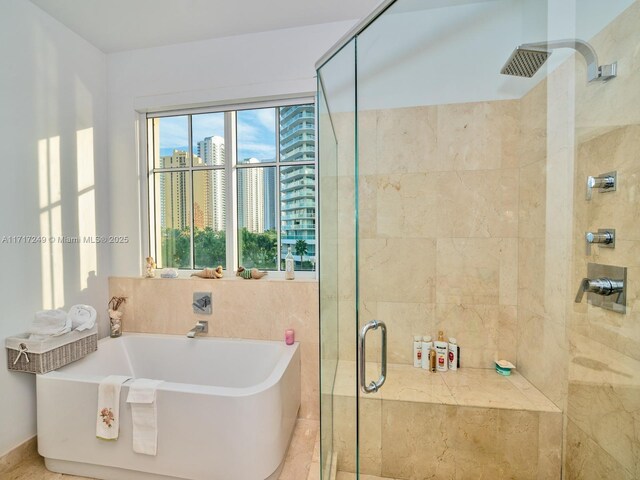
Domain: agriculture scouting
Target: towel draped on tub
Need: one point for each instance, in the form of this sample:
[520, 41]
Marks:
[108, 419]
[144, 415]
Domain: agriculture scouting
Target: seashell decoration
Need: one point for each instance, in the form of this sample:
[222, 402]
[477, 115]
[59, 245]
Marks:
[209, 273]
[248, 274]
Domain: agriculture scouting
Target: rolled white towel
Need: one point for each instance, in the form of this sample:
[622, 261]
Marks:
[83, 317]
[50, 323]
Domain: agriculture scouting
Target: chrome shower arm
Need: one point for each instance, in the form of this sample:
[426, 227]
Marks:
[584, 48]
[595, 71]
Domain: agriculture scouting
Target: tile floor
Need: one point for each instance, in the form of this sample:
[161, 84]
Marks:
[299, 458]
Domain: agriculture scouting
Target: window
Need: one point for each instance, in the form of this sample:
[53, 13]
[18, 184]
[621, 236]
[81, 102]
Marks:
[233, 187]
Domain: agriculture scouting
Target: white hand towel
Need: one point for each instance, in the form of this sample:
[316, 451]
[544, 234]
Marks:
[144, 415]
[108, 420]
[50, 322]
[83, 317]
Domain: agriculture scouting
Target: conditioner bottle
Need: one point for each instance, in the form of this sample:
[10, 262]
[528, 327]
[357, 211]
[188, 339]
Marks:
[453, 354]
[417, 351]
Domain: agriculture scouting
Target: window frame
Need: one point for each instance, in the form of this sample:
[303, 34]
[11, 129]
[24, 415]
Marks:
[230, 169]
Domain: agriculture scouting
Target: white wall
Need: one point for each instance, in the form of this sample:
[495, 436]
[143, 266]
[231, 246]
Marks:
[213, 71]
[53, 137]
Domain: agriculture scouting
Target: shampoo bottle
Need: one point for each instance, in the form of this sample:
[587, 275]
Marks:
[427, 345]
[453, 354]
[441, 352]
[417, 351]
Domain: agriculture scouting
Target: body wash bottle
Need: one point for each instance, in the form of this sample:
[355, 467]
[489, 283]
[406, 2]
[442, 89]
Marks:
[417, 351]
[441, 352]
[453, 354]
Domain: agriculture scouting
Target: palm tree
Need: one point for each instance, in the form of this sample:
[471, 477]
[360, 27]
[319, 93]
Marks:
[301, 249]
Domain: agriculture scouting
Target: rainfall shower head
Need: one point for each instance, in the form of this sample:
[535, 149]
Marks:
[527, 59]
[525, 62]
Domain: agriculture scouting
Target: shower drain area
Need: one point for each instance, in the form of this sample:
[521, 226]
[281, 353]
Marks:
[446, 425]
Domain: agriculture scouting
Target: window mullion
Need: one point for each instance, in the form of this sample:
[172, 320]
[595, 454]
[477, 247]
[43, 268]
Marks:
[277, 190]
[191, 194]
[230, 190]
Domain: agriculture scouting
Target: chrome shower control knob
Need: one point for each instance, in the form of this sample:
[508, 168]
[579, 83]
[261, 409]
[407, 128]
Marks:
[603, 237]
[605, 183]
[606, 237]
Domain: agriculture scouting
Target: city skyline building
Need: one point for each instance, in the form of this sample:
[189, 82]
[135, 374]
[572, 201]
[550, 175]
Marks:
[298, 182]
[212, 152]
[251, 198]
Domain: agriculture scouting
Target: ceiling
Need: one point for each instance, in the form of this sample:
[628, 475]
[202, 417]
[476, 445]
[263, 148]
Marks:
[118, 25]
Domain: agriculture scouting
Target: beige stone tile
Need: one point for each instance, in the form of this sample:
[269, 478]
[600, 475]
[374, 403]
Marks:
[480, 203]
[352, 476]
[604, 406]
[532, 275]
[300, 452]
[309, 371]
[368, 205]
[519, 430]
[346, 328]
[418, 440]
[316, 448]
[533, 121]
[478, 136]
[532, 200]
[314, 471]
[386, 276]
[408, 384]
[344, 434]
[405, 320]
[296, 306]
[550, 441]
[585, 460]
[543, 354]
[406, 141]
[485, 333]
[535, 396]
[476, 443]
[477, 271]
[406, 205]
[344, 431]
[34, 469]
[25, 452]
[486, 391]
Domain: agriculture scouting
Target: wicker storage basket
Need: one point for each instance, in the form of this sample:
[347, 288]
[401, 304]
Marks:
[42, 356]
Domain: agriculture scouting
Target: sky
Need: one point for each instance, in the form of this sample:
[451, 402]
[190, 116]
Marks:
[256, 132]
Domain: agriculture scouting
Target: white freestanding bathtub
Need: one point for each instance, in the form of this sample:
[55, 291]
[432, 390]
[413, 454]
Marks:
[226, 411]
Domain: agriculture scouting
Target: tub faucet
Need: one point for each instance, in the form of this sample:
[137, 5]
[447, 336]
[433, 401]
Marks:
[201, 327]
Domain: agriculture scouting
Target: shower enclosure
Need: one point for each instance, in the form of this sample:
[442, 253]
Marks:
[479, 175]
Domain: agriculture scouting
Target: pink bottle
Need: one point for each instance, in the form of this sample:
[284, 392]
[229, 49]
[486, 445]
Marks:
[289, 336]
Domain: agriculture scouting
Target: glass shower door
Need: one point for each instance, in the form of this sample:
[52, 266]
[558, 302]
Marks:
[338, 328]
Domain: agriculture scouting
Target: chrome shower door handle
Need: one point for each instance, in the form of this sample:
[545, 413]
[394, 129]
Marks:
[374, 386]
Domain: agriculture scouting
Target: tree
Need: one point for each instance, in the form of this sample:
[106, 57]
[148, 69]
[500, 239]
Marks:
[258, 249]
[301, 249]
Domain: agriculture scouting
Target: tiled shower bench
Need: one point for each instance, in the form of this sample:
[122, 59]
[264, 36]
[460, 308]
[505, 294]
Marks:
[464, 424]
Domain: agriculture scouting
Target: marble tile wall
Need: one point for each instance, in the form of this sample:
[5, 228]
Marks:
[416, 440]
[254, 309]
[438, 197]
[582, 357]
